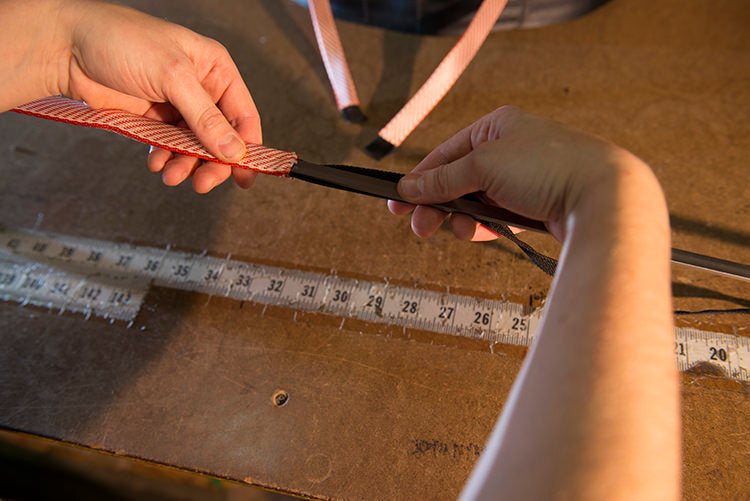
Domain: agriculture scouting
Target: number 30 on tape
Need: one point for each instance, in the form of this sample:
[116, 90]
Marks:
[110, 280]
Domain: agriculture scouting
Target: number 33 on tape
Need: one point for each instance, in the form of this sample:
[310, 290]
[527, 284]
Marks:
[110, 280]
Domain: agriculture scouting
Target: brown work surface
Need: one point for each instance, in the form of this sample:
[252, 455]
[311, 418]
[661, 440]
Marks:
[371, 413]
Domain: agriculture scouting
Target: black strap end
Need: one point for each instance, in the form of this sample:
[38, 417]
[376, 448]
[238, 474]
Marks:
[353, 114]
[379, 148]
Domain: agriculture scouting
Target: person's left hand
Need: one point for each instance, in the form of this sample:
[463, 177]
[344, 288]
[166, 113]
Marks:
[124, 59]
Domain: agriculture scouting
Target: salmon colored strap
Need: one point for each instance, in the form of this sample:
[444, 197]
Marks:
[441, 80]
[334, 60]
[427, 97]
[169, 137]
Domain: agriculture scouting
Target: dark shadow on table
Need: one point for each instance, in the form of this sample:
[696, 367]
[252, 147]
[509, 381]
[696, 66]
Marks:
[722, 233]
[693, 291]
[394, 87]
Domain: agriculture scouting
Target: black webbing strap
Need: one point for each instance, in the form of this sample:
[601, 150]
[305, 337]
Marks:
[545, 263]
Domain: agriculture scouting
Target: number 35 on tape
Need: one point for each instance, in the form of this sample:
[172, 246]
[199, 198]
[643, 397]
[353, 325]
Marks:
[110, 280]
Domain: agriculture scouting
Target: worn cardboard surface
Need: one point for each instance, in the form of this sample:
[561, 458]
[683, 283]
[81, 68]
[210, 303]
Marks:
[370, 414]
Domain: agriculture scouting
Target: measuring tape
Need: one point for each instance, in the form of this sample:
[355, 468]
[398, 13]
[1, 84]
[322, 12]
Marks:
[110, 280]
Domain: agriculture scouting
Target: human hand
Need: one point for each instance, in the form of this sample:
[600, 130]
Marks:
[121, 58]
[527, 164]
[595, 408]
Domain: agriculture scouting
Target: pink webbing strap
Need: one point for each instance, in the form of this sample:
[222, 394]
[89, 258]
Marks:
[444, 76]
[334, 60]
[427, 97]
[169, 137]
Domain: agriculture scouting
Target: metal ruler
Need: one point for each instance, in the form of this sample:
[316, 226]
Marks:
[110, 280]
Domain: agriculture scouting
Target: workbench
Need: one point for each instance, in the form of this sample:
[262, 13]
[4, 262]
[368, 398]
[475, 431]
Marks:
[373, 412]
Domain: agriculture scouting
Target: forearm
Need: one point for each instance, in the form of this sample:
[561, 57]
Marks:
[35, 43]
[594, 412]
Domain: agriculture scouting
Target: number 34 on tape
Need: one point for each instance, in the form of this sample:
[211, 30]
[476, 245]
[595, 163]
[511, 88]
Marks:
[110, 280]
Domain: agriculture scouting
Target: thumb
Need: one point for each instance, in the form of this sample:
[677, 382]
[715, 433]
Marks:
[442, 184]
[205, 119]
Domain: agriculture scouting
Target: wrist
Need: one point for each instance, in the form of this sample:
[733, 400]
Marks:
[35, 49]
[621, 189]
[66, 20]
[623, 213]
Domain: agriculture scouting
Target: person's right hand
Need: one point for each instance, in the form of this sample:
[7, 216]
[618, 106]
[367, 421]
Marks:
[527, 164]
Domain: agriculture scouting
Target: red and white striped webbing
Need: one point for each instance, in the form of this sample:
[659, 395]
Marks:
[432, 91]
[169, 137]
[332, 53]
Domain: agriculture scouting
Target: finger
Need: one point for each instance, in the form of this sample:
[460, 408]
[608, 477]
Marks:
[466, 228]
[239, 108]
[157, 158]
[209, 175]
[457, 146]
[249, 129]
[425, 221]
[243, 177]
[443, 183]
[160, 155]
[400, 208]
[227, 88]
[463, 227]
[204, 118]
[178, 169]
[463, 142]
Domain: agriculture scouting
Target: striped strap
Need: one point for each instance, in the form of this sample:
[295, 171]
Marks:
[183, 141]
[169, 137]
[334, 60]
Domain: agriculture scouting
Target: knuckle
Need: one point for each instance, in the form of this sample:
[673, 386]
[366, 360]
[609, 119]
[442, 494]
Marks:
[219, 56]
[177, 68]
[441, 181]
[480, 133]
[507, 110]
[211, 120]
[475, 168]
[218, 49]
[506, 116]
[443, 153]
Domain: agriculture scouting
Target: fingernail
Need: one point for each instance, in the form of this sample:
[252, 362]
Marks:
[411, 186]
[231, 147]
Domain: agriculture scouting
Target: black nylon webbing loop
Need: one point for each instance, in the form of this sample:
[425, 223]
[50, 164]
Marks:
[545, 263]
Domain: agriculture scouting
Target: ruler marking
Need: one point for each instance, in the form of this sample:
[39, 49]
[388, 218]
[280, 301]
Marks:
[111, 280]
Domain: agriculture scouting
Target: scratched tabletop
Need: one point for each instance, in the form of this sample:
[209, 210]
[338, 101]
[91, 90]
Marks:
[371, 411]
